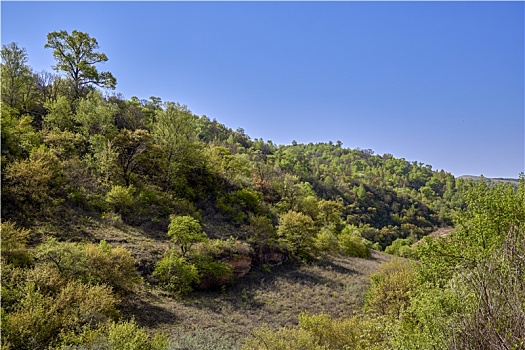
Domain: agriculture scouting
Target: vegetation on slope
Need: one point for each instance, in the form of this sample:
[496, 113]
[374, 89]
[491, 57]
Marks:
[105, 199]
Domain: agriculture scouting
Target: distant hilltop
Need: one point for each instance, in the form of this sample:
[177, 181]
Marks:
[511, 181]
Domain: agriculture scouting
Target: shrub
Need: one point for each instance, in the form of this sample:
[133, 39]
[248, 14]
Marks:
[32, 186]
[14, 245]
[352, 244]
[297, 233]
[125, 335]
[326, 242]
[121, 198]
[39, 318]
[321, 332]
[401, 247]
[391, 287]
[220, 249]
[92, 264]
[176, 274]
[112, 266]
[129, 336]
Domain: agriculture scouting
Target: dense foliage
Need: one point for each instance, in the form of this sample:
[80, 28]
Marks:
[72, 153]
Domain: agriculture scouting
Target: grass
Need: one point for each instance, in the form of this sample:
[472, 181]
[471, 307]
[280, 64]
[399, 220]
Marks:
[274, 297]
[267, 295]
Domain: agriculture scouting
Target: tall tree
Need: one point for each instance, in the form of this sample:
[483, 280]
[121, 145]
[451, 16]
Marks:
[18, 84]
[76, 55]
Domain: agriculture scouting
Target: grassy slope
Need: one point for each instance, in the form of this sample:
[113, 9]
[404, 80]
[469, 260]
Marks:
[275, 296]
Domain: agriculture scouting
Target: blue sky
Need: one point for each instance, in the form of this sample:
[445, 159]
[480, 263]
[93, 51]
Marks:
[436, 82]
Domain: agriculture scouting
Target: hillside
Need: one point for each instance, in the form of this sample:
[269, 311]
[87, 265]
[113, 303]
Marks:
[492, 180]
[122, 218]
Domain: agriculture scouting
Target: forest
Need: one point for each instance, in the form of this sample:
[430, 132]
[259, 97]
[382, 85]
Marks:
[106, 200]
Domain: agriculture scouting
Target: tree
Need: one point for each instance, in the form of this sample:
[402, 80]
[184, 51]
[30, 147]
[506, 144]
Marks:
[185, 230]
[18, 84]
[297, 233]
[76, 56]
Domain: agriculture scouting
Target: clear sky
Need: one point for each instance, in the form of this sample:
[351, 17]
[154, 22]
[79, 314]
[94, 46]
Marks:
[437, 82]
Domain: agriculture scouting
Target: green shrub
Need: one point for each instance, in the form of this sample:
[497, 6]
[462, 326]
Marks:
[125, 335]
[297, 234]
[220, 249]
[352, 244]
[14, 245]
[391, 288]
[321, 332]
[121, 198]
[176, 274]
[93, 264]
[326, 242]
[39, 317]
[401, 247]
[112, 266]
[129, 336]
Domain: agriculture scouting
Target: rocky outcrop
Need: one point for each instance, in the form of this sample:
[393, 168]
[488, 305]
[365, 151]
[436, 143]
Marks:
[272, 258]
[240, 265]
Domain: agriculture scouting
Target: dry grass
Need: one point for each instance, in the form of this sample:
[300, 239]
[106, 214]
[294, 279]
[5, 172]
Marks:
[274, 297]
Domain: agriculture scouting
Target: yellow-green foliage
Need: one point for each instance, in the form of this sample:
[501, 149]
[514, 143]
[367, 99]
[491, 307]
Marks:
[218, 248]
[185, 231]
[121, 197]
[321, 332]
[391, 287]
[129, 336]
[125, 335]
[326, 242]
[93, 264]
[112, 266]
[39, 316]
[176, 274]
[352, 244]
[29, 185]
[401, 247]
[14, 244]
[297, 234]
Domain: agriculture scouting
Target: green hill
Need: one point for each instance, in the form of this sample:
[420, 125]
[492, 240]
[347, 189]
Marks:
[126, 215]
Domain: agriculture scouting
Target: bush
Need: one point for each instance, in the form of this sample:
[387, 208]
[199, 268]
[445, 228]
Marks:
[32, 186]
[297, 234]
[176, 274]
[121, 198]
[326, 242]
[112, 266]
[14, 245]
[125, 335]
[39, 317]
[352, 244]
[321, 332]
[401, 247]
[92, 264]
[128, 336]
[391, 287]
[221, 249]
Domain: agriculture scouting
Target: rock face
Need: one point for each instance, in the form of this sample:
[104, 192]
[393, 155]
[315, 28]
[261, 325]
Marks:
[272, 258]
[240, 266]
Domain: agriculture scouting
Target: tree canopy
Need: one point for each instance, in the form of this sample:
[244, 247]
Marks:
[76, 56]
